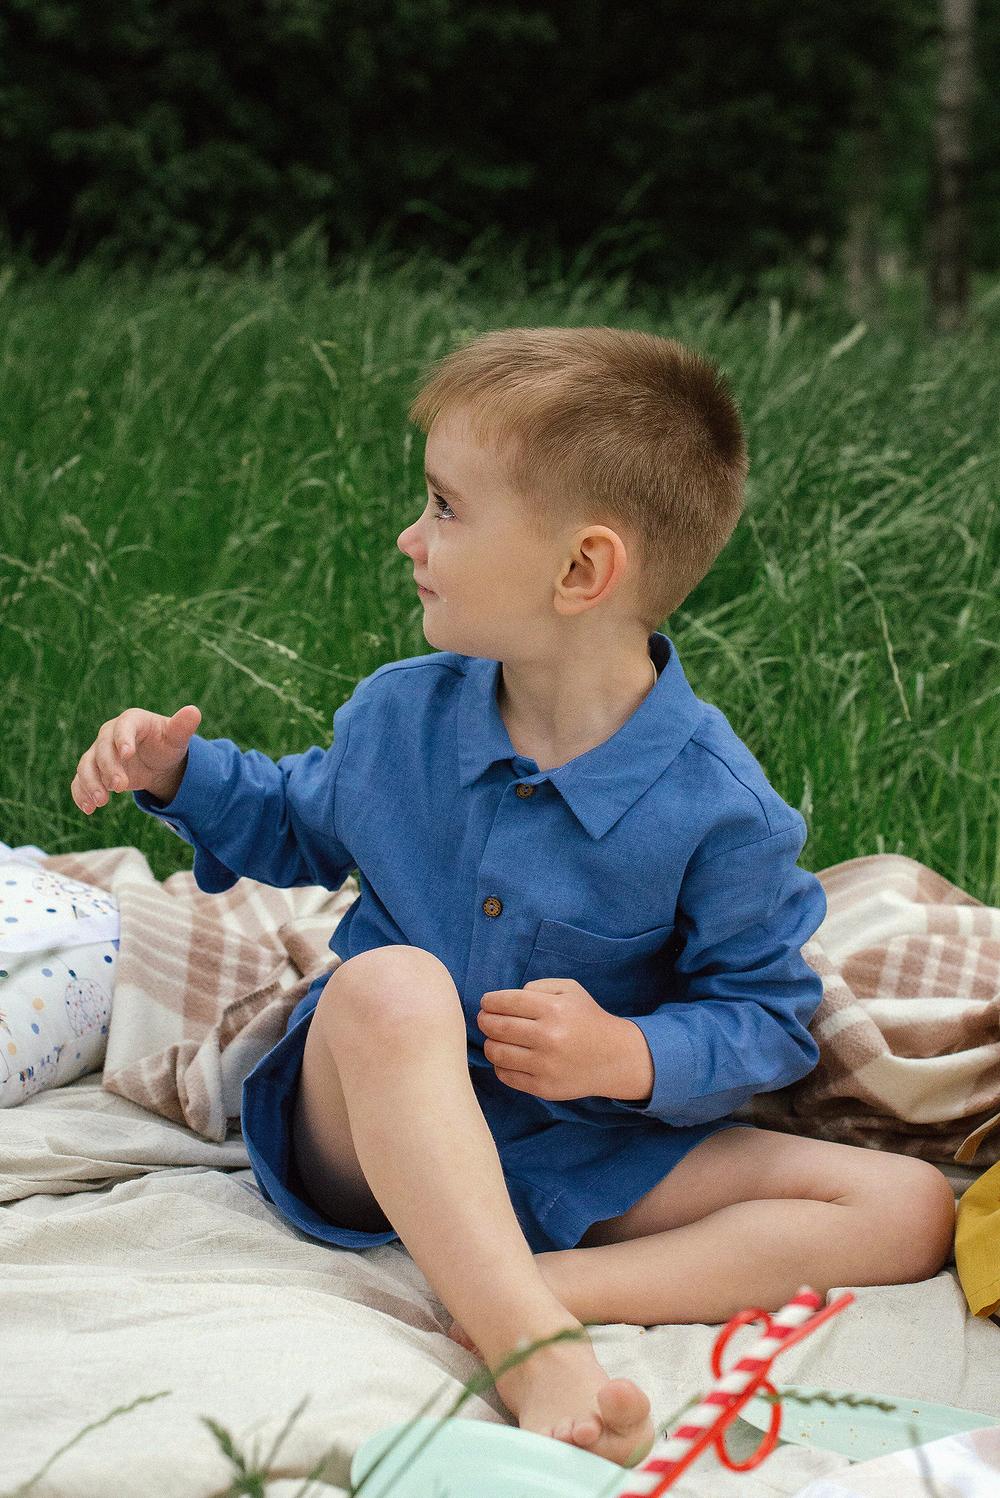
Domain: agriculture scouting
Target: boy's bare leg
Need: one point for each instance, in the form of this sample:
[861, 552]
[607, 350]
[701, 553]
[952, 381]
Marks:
[396, 1027]
[704, 1273]
[872, 1218]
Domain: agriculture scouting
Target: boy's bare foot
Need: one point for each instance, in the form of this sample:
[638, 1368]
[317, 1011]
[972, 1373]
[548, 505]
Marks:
[562, 1391]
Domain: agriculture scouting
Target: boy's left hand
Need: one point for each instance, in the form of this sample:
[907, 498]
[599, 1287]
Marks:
[550, 1038]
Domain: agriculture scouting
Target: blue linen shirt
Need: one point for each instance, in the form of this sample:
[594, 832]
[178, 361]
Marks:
[658, 869]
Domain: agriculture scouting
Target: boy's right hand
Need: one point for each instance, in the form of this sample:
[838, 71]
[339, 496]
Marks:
[137, 751]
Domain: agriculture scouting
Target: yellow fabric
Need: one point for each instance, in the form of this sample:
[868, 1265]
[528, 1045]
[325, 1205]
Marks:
[977, 1242]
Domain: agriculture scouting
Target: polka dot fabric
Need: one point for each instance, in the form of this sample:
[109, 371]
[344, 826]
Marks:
[59, 943]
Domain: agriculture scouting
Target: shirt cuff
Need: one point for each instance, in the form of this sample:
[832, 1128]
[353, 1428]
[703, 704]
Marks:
[195, 792]
[673, 1084]
[192, 808]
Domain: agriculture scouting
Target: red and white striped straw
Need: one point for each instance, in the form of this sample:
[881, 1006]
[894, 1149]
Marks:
[673, 1453]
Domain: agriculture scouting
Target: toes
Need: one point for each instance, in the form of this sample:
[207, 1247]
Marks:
[622, 1409]
[588, 1431]
[622, 1404]
[585, 1431]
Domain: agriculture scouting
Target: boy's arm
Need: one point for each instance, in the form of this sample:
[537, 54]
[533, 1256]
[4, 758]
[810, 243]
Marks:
[247, 815]
[744, 993]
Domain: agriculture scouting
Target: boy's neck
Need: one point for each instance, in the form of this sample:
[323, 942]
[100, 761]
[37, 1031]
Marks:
[552, 717]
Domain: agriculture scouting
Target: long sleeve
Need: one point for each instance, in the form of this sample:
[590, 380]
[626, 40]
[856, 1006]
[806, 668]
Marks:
[247, 815]
[745, 995]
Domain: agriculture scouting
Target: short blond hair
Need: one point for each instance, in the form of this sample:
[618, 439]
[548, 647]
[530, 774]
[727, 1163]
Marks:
[606, 426]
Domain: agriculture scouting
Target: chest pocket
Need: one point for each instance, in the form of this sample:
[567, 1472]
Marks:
[626, 974]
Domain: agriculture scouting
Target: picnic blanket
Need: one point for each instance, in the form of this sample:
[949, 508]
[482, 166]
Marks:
[147, 1287]
[908, 1027]
[143, 1273]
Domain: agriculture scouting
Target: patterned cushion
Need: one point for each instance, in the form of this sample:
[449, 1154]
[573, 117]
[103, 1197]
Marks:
[58, 952]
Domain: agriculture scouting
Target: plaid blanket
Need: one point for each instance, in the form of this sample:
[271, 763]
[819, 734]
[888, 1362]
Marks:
[908, 1028]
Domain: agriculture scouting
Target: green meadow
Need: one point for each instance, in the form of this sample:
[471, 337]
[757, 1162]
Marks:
[204, 473]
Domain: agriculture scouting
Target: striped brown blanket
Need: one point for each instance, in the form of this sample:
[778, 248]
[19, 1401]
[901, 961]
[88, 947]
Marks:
[908, 1028]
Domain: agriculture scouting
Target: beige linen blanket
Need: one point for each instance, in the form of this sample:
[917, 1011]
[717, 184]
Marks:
[140, 1266]
[138, 1261]
[908, 1028]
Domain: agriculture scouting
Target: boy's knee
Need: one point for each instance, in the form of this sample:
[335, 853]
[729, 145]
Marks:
[923, 1208]
[388, 983]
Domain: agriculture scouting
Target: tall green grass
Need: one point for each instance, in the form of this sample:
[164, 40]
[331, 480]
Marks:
[204, 474]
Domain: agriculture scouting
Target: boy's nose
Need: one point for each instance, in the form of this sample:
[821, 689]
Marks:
[406, 538]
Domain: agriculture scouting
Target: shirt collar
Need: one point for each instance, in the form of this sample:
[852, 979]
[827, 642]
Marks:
[602, 784]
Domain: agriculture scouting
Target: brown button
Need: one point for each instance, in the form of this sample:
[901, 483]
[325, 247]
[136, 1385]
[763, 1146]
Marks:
[525, 790]
[492, 906]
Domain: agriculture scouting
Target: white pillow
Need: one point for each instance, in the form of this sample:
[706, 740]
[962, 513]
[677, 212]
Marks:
[58, 953]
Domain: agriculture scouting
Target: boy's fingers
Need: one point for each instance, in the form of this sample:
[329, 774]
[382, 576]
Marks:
[88, 778]
[83, 796]
[119, 773]
[108, 766]
[181, 732]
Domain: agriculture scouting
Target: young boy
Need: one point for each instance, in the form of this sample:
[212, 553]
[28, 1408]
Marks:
[577, 947]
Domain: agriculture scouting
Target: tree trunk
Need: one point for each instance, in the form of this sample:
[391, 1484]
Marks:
[948, 229]
[861, 245]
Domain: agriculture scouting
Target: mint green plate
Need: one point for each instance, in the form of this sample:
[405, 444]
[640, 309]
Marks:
[477, 1459]
[865, 1432]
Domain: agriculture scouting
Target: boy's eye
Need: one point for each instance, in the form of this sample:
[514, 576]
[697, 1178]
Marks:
[439, 501]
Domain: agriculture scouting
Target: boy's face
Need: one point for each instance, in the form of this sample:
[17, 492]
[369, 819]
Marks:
[491, 581]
